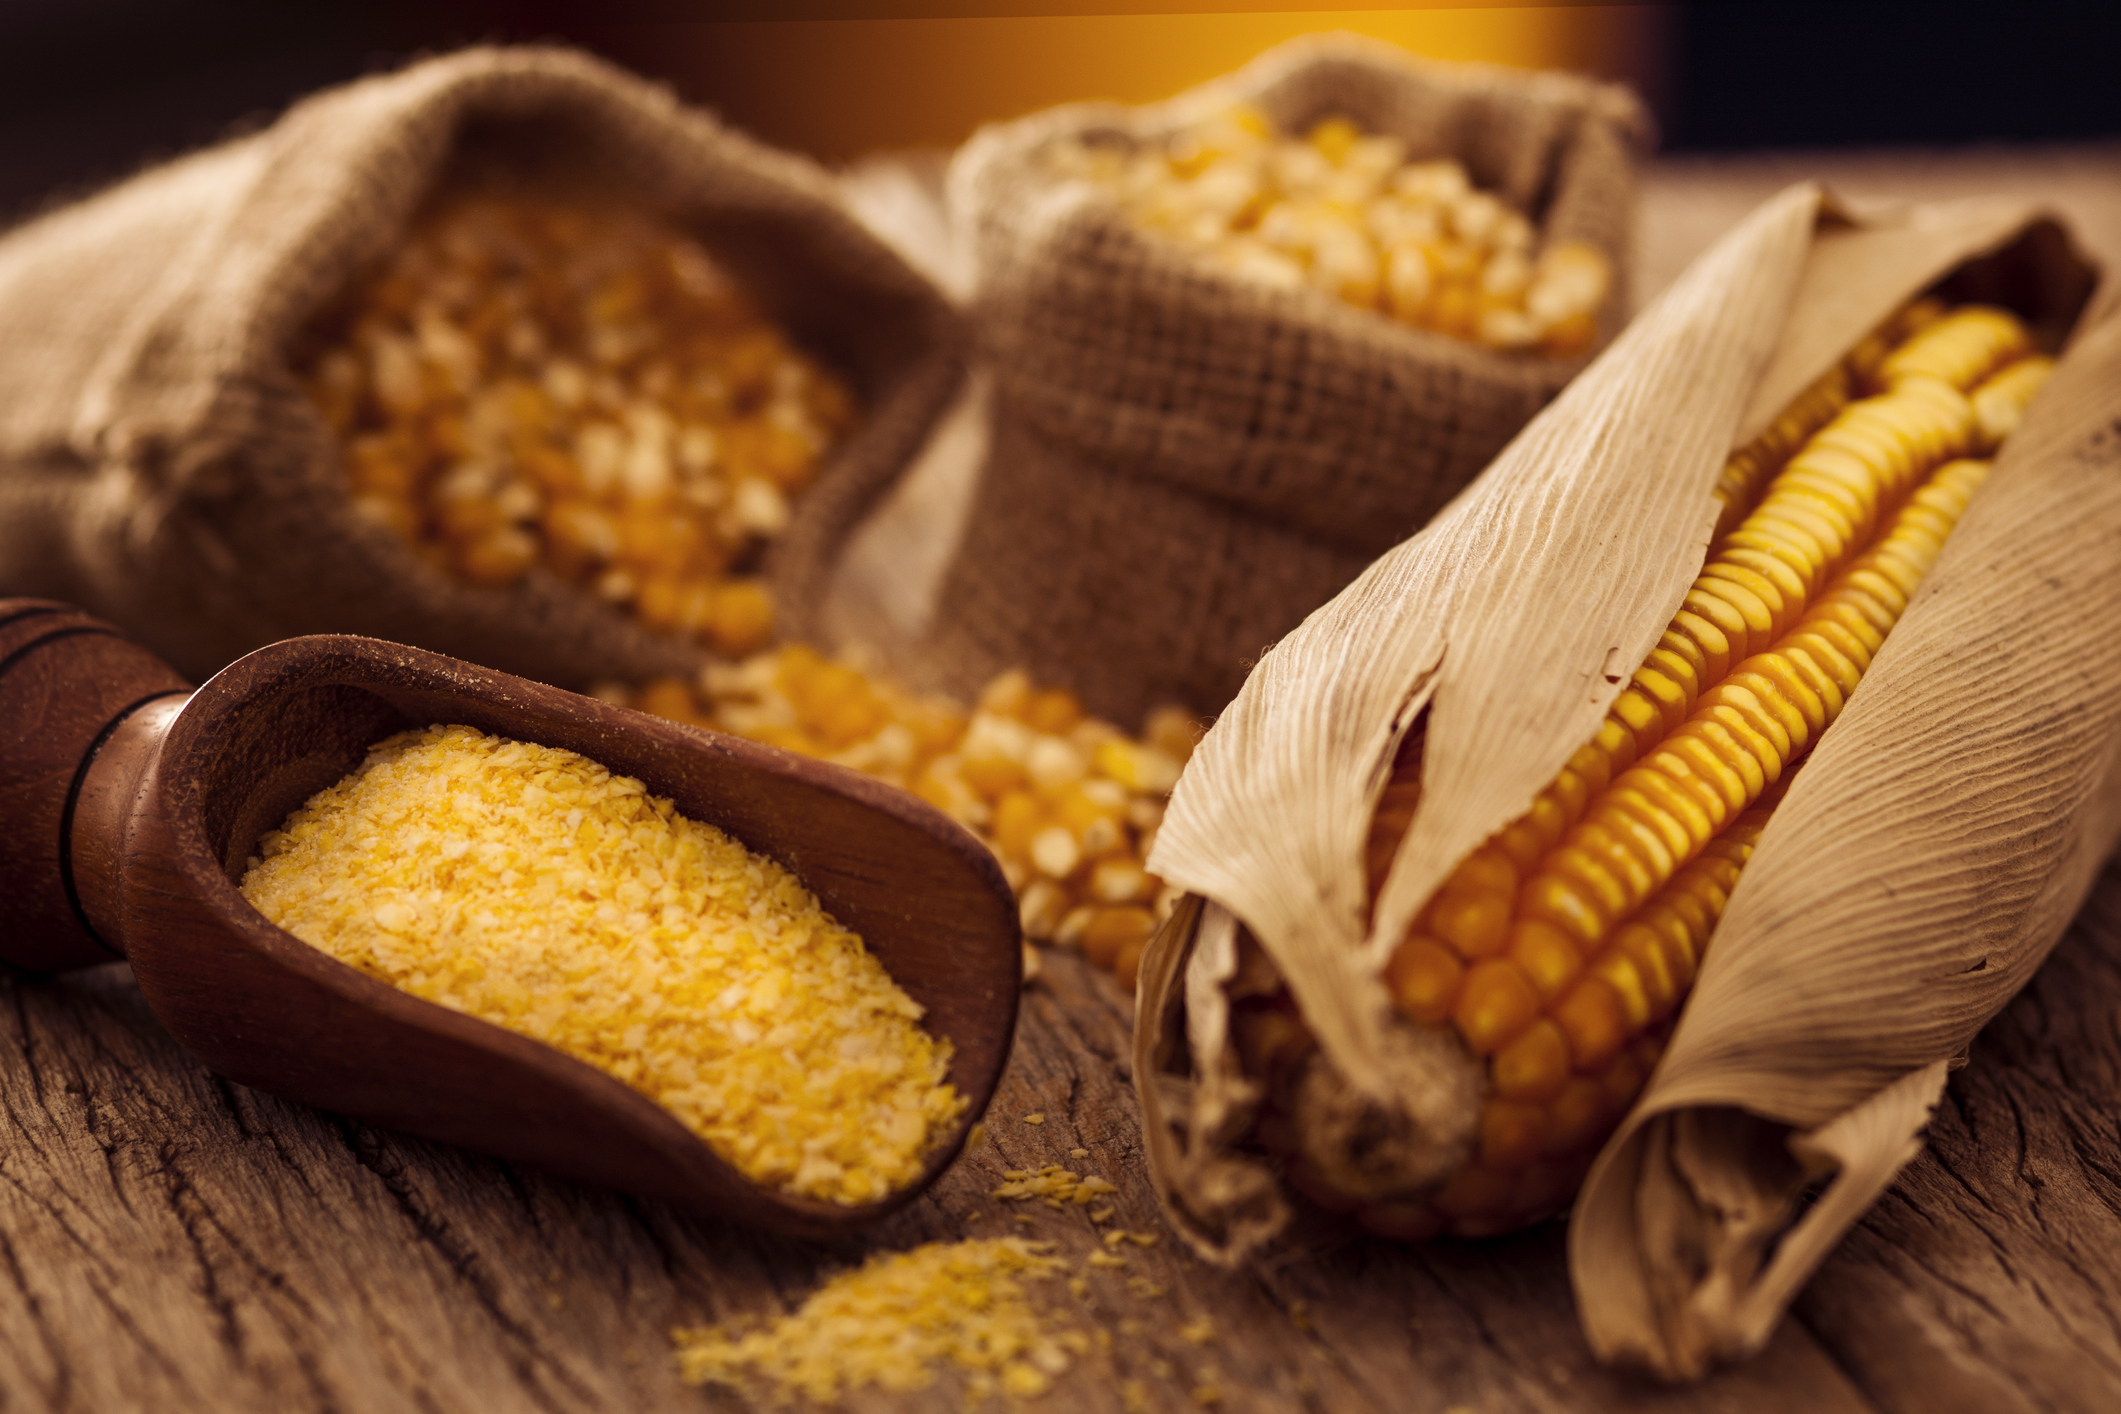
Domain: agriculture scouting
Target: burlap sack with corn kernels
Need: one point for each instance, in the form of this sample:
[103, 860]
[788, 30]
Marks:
[1185, 461]
[161, 465]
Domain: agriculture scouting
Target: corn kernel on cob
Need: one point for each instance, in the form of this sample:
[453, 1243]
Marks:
[1560, 950]
[1069, 804]
[528, 386]
[1345, 212]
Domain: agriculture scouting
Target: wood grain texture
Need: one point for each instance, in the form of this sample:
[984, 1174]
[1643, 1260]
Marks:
[171, 1240]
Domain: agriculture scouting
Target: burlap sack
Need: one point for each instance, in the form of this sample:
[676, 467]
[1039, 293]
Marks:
[160, 466]
[1182, 465]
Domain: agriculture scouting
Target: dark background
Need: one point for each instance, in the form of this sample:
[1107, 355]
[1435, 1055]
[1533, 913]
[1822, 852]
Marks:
[92, 89]
[1862, 74]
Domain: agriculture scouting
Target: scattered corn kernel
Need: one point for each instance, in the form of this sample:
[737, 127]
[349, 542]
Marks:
[530, 385]
[1054, 1182]
[530, 887]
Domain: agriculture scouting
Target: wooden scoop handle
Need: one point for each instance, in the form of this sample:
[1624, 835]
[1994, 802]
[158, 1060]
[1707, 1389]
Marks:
[82, 712]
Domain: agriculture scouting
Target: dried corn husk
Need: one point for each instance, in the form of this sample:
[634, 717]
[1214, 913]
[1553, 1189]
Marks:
[1513, 621]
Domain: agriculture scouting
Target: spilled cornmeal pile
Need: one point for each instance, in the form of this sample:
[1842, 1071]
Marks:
[532, 888]
[890, 1321]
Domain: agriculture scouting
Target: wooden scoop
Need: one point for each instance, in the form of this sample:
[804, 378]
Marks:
[129, 804]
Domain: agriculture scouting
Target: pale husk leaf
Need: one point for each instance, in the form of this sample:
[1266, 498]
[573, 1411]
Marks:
[1924, 862]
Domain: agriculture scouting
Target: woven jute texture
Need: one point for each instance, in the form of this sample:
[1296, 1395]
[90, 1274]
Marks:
[1184, 465]
[160, 466]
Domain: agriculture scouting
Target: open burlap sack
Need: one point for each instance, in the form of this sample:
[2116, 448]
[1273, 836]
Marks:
[1183, 465]
[160, 465]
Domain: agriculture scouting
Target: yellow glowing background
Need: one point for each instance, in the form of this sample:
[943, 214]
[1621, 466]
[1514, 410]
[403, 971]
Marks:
[840, 87]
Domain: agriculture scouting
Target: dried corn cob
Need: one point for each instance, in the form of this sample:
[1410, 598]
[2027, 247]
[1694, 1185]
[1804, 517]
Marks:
[1069, 804]
[528, 386]
[1345, 212]
[1558, 952]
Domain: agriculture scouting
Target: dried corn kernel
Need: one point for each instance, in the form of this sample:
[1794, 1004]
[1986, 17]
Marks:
[528, 386]
[530, 887]
[1343, 211]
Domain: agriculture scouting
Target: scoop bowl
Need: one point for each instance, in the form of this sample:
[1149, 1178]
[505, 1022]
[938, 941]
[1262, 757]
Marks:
[129, 805]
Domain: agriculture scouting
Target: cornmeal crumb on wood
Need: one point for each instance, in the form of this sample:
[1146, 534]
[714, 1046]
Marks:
[532, 888]
[893, 1320]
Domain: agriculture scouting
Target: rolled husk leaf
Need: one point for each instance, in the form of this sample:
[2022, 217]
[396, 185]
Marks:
[1507, 629]
[161, 466]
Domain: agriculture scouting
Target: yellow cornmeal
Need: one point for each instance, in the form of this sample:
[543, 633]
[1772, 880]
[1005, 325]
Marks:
[892, 1320]
[532, 888]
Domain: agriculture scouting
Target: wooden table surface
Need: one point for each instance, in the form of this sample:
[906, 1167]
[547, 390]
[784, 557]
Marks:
[171, 1241]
